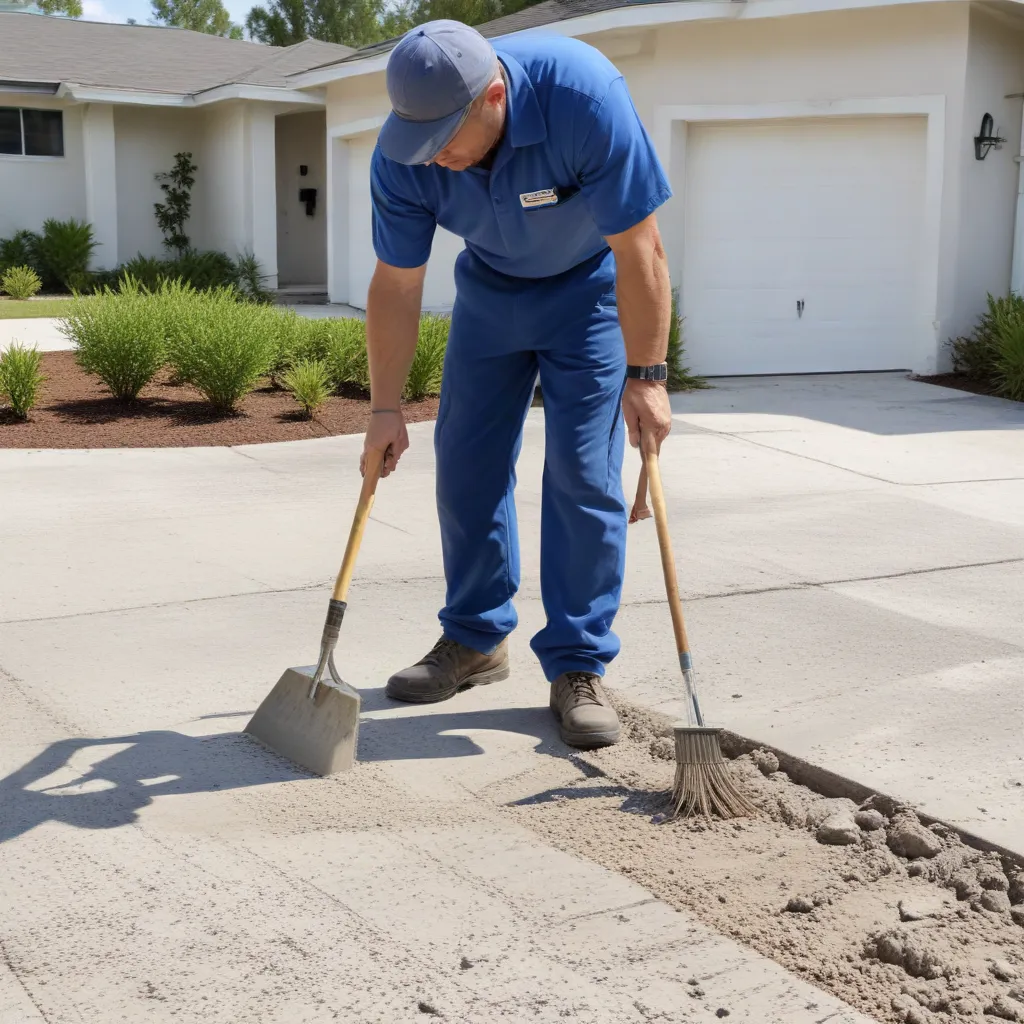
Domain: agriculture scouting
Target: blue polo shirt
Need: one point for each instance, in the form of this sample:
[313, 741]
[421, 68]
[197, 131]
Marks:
[571, 127]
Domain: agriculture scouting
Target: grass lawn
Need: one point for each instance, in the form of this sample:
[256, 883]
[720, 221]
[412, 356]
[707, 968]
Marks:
[14, 309]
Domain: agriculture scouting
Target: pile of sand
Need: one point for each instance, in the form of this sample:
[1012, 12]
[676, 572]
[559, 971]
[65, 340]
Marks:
[902, 921]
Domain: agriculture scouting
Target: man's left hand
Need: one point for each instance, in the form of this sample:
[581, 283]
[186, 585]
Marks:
[646, 408]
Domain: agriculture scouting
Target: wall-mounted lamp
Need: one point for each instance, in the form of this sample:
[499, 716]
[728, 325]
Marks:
[985, 140]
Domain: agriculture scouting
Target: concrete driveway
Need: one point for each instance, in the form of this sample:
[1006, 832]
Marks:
[851, 552]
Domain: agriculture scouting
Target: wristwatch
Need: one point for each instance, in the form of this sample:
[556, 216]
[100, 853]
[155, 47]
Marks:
[657, 372]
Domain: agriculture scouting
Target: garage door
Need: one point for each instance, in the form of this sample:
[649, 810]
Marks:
[439, 286]
[802, 244]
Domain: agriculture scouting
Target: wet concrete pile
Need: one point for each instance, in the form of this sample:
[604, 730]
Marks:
[903, 921]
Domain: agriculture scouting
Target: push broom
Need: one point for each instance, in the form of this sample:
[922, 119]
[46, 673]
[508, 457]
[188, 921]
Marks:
[703, 784]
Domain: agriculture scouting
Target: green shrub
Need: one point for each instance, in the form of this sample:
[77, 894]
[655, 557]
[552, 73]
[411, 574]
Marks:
[20, 378]
[227, 349]
[1007, 317]
[146, 271]
[20, 282]
[428, 362]
[249, 278]
[679, 376]
[292, 342]
[976, 356]
[20, 250]
[119, 338]
[309, 381]
[345, 339]
[65, 249]
[203, 270]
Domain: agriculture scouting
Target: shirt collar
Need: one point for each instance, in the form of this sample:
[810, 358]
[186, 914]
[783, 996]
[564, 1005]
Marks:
[526, 122]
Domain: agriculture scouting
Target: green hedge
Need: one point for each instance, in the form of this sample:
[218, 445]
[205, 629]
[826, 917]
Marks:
[993, 353]
[225, 348]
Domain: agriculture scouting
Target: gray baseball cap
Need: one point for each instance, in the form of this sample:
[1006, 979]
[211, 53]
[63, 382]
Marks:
[434, 74]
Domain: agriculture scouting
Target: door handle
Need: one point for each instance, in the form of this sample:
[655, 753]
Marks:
[799, 307]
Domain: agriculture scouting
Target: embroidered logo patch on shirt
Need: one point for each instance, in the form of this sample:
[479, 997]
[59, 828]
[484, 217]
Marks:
[542, 197]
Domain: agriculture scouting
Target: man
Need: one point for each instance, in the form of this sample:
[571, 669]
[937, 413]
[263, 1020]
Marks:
[533, 153]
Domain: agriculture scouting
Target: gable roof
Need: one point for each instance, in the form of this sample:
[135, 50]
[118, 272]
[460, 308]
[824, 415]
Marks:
[37, 48]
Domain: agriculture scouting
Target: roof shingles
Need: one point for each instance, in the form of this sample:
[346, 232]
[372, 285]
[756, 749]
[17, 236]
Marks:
[35, 48]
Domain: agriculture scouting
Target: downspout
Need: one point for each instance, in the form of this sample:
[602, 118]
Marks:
[1017, 265]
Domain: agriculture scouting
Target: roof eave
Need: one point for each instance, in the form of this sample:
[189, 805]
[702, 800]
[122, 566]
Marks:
[206, 97]
[30, 88]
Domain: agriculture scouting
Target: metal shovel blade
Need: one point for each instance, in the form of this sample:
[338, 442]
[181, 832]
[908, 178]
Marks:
[318, 733]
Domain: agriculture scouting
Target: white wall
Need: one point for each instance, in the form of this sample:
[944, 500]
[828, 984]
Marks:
[99, 146]
[301, 239]
[35, 188]
[147, 139]
[988, 188]
[238, 208]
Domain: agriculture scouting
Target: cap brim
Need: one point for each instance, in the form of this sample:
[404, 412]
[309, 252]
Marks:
[416, 142]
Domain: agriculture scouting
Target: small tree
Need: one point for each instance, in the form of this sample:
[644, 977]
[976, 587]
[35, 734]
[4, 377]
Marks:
[209, 16]
[172, 215]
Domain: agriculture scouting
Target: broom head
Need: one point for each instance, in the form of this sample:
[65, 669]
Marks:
[703, 784]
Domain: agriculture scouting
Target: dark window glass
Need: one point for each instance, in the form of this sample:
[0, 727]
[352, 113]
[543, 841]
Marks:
[44, 132]
[10, 130]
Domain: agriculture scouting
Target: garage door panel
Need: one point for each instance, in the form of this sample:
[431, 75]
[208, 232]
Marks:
[827, 211]
[741, 264]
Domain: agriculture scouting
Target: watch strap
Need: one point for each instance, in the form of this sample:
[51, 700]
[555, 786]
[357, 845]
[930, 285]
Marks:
[658, 372]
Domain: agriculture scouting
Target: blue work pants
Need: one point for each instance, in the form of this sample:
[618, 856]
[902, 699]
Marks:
[504, 331]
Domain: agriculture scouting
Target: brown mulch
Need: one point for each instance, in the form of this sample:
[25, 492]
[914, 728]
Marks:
[960, 382]
[75, 411]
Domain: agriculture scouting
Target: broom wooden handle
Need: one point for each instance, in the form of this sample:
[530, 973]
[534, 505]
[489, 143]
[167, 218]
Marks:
[374, 464]
[649, 453]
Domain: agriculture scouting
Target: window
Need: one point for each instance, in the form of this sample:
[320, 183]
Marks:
[31, 132]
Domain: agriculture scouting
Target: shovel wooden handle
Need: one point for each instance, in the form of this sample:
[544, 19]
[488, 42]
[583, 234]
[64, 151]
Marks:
[649, 454]
[374, 464]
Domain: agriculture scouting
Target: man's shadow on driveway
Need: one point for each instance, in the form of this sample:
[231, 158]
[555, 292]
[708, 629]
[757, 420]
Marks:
[111, 790]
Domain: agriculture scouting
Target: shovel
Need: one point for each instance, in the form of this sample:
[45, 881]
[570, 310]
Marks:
[305, 718]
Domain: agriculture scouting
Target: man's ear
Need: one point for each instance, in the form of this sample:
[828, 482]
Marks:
[495, 92]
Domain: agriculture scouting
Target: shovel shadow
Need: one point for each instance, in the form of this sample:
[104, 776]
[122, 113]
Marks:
[110, 791]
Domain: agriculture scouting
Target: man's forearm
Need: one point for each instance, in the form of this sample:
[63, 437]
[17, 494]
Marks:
[392, 329]
[644, 294]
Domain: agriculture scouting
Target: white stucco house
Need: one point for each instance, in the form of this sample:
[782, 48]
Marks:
[91, 112]
[830, 210]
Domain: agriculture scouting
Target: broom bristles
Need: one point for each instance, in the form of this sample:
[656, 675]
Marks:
[703, 784]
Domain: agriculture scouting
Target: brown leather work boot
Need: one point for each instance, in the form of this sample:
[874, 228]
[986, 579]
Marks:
[445, 670]
[584, 711]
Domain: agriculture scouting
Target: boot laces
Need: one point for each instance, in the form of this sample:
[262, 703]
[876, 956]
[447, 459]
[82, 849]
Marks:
[444, 648]
[584, 688]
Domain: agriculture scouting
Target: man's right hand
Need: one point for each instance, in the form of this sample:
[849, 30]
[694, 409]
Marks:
[386, 433]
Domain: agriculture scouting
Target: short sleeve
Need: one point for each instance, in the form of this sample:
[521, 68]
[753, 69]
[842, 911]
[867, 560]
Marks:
[620, 175]
[403, 228]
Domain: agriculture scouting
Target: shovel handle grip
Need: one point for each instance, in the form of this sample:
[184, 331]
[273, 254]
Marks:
[374, 465]
[649, 453]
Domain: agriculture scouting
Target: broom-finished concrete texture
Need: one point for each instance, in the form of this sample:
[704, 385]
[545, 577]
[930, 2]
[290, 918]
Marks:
[158, 866]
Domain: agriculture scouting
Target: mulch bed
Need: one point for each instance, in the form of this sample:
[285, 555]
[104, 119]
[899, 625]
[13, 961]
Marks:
[958, 381]
[75, 411]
